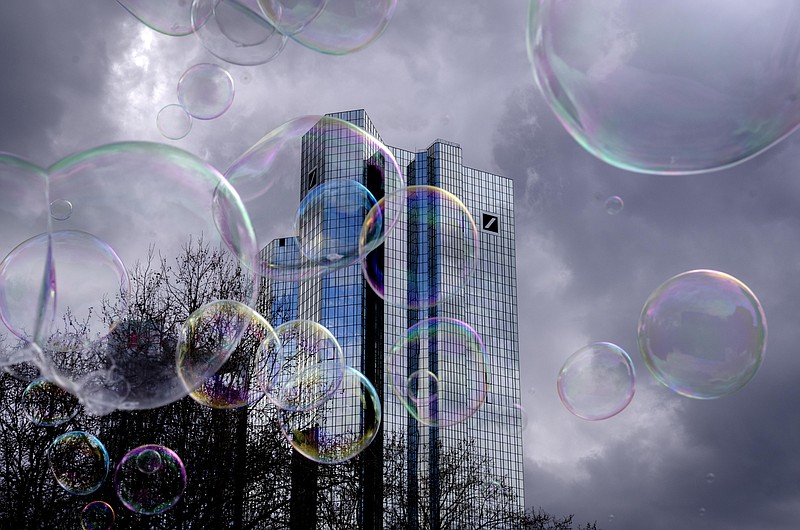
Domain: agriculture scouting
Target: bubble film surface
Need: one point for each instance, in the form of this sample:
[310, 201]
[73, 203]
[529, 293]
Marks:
[597, 381]
[703, 334]
[614, 205]
[636, 96]
[155, 490]
[435, 219]
[78, 461]
[272, 170]
[170, 17]
[453, 360]
[97, 515]
[335, 27]
[173, 122]
[223, 353]
[236, 31]
[48, 405]
[341, 427]
[206, 91]
[308, 366]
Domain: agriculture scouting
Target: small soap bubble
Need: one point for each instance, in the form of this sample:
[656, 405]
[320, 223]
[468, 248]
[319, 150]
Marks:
[97, 515]
[60, 209]
[701, 512]
[48, 405]
[78, 461]
[206, 91]
[710, 477]
[703, 334]
[614, 205]
[154, 489]
[149, 461]
[173, 122]
[597, 381]
[423, 387]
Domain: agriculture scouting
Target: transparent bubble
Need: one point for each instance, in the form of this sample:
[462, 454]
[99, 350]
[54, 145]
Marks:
[701, 512]
[334, 27]
[703, 334]
[237, 31]
[125, 358]
[47, 404]
[423, 388]
[206, 91]
[149, 461]
[611, 518]
[308, 365]
[597, 381]
[710, 477]
[97, 515]
[78, 461]
[170, 17]
[273, 170]
[173, 122]
[614, 205]
[221, 354]
[640, 99]
[434, 217]
[150, 492]
[455, 355]
[341, 427]
[60, 209]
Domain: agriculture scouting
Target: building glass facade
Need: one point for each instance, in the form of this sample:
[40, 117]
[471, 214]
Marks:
[367, 327]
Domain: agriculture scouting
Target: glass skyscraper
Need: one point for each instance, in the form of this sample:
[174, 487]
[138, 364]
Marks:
[367, 326]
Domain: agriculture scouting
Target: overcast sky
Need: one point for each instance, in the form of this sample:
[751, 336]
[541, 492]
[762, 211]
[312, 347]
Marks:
[77, 74]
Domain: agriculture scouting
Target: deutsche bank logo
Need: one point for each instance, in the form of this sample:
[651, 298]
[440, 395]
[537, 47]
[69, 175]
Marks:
[490, 223]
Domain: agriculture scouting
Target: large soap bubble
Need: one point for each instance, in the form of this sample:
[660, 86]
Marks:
[150, 479]
[669, 87]
[703, 334]
[206, 91]
[334, 27]
[175, 225]
[323, 234]
[97, 515]
[341, 427]
[597, 381]
[439, 371]
[48, 405]
[78, 461]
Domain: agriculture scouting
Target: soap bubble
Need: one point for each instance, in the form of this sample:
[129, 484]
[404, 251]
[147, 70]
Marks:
[308, 365]
[78, 461]
[432, 217]
[150, 491]
[60, 210]
[597, 381]
[237, 31]
[614, 205]
[173, 122]
[703, 334]
[97, 515]
[274, 169]
[334, 27]
[126, 358]
[639, 98]
[341, 427]
[149, 461]
[451, 352]
[47, 404]
[170, 17]
[222, 354]
[206, 91]
[710, 477]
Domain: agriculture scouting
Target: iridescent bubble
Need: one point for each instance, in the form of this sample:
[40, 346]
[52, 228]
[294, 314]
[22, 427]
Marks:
[703, 334]
[343, 204]
[78, 461]
[614, 205]
[423, 388]
[334, 27]
[597, 381]
[151, 491]
[47, 404]
[60, 209]
[173, 122]
[341, 427]
[149, 461]
[222, 354]
[237, 31]
[206, 91]
[170, 17]
[308, 365]
[640, 99]
[453, 353]
[437, 219]
[126, 358]
[97, 515]
[273, 169]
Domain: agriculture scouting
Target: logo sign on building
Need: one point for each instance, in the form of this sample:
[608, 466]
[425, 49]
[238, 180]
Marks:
[490, 223]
